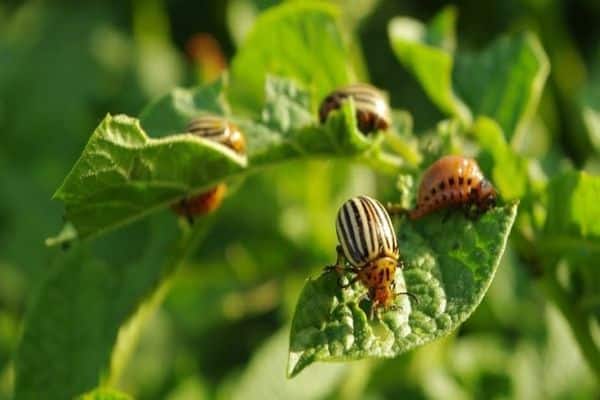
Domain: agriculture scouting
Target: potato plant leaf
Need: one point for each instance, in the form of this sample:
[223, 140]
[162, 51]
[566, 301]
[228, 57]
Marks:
[589, 103]
[76, 316]
[426, 51]
[449, 266]
[572, 228]
[105, 394]
[572, 205]
[123, 174]
[299, 40]
[504, 81]
[171, 113]
[507, 169]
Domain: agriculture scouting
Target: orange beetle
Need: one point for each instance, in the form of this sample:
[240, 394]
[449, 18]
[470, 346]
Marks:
[221, 131]
[200, 204]
[453, 181]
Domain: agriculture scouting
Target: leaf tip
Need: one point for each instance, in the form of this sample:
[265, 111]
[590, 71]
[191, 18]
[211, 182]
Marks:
[296, 363]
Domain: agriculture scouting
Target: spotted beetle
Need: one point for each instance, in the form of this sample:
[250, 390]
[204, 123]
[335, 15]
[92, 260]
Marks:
[453, 181]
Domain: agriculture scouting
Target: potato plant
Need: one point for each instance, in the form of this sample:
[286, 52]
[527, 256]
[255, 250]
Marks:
[122, 260]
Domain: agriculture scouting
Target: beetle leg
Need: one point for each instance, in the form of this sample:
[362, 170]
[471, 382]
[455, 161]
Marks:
[190, 219]
[340, 262]
[347, 285]
[183, 203]
[401, 263]
[410, 295]
[472, 213]
[372, 311]
[447, 215]
[395, 209]
[468, 212]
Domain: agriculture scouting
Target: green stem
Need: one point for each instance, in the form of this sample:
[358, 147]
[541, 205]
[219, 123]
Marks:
[407, 152]
[576, 319]
[385, 163]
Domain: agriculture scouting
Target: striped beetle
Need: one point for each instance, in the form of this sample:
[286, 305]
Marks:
[220, 130]
[453, 181]
[372, 109]
[367, 241]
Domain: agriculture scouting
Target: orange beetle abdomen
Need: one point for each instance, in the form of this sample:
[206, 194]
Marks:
[450, 181]
[202, 203]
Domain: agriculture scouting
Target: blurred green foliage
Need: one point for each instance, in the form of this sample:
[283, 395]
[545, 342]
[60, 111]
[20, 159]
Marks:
[221, 331]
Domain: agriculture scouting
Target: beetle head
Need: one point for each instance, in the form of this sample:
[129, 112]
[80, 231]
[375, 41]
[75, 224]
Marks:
[382, 296]
[487, 196]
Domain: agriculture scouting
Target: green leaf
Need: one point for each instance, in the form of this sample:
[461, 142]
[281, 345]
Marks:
[294, 40]
[589, 104]
[572, 227]
[508, 170]
[123, 174]
[104, 394]
[426, 51]
[573, 205]
[170, 114]
[505, 80]
[77, 313]
[449, 266]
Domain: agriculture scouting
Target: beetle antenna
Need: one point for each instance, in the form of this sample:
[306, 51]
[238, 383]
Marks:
[395, 209]
[411, 295]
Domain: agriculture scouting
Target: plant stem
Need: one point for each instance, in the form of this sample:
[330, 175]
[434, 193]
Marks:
[577, 321]
[401, 147]
[386, 163]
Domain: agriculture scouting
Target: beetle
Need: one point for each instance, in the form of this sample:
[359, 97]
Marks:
[453, 181]
[220, 130]
[200, 204]
[367, 241]
[372, 109]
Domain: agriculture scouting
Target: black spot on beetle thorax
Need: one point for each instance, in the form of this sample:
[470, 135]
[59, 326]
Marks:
[372, 275]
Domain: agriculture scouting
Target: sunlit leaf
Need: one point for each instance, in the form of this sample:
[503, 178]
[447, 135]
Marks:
[589, 104]
[573, 205]
[509, 172]
[295, 40]
[572, 228]
[449, 266]
[124, 175]
[104, 394]
[426, 51]
[504, 81]
[170, 114]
